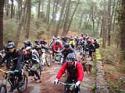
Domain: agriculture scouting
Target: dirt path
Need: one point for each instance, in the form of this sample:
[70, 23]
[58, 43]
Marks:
[49, 75]
[47, 85]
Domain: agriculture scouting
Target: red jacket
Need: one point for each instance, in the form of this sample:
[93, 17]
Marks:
[79, 67]
[56, 47]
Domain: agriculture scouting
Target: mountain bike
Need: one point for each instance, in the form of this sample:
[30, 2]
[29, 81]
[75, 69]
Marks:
[70, 87]
[46, 58]
[20, 86]
[28, 65]
[58, 58]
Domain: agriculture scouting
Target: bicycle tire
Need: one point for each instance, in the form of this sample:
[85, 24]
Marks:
[67, 90]
[3, 88]
[48, 60]
[39, 70]
[23, 87]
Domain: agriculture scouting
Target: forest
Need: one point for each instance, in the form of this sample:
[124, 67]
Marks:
[104, 20]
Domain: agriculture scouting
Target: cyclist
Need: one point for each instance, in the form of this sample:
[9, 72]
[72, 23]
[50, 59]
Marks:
[27, 43]
[64, 40]
[66, 50]
[33, 55]
[96, 44]
[56, 47]
[91, 48]
[74, 69]
[72, 42]
[14, 58]
[52, 41]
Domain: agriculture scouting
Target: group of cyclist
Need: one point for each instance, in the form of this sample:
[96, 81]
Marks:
[15, 59]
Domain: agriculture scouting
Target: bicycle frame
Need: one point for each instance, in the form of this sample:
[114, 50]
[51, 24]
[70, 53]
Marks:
[7, 78]
[69, 87]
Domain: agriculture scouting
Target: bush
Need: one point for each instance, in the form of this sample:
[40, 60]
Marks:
[10, 28]
[110, 55]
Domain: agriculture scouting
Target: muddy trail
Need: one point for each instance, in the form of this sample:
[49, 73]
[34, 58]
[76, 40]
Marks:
[47, 82]
[48, 77]
[32, 87]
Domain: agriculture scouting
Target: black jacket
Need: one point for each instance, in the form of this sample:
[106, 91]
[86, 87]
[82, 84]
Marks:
[15, 58]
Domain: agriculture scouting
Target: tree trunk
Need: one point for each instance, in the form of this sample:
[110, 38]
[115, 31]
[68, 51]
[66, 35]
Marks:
[39, 4]
[42, 5]
[104, 32]
[80, 21]
[48, 11]
[70, 21]
[12, 8]
[28, 19]
[66, 20]
[122, 25]
[6, 5]
[61, 15]
[93, 20]
[72, 16]
[55, 9]
[1, 23]
[19, 9]
[20, 25]
[109, 22]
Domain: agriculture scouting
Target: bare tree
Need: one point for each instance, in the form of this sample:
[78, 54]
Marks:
[42, 5]
[67, 26]
[109, 22]
[19, 9]
[80, 21]
[39, 6]
[122, 25]
[66, 16]
[12, 8]
[28, 17]
[61, 15]
[48, 11]
[103, 32]
[54, 11]
[6, 5]
[20, 24]
[1, 23]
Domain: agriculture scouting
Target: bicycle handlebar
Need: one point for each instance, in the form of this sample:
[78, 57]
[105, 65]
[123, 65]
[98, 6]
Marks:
[7, 72]
[66, 84]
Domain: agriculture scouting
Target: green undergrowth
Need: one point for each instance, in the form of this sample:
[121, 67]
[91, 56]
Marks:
[114, 69]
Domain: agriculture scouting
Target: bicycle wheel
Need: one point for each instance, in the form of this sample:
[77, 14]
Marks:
[3, 88]
[48, 59]
[23, 84]
[39, 70]
[67, 89]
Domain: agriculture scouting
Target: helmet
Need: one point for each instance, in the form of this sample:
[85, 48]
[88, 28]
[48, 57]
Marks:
[71, 57]
[66, 46]
[28, 48]
[37, 46]
[9, 41]
[11, 45]
[36, 42]
[57, 42]
[27, 43]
